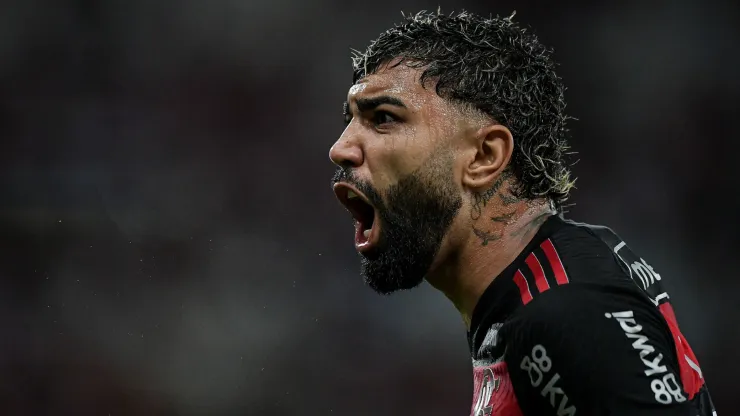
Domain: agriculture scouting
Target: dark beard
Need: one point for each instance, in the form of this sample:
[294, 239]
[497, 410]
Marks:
[419, 211]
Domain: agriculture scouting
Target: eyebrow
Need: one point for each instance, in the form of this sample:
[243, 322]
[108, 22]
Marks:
[369, 104]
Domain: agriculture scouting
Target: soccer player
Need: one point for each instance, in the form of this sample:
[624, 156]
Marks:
[452, 165]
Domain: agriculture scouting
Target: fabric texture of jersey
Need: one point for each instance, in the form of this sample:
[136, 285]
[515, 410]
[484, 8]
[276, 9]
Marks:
[580, 325]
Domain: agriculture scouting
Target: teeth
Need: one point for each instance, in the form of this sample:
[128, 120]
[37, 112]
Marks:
[351, 195]
[366, 233]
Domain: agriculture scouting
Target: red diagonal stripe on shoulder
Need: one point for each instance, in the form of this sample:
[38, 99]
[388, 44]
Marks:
[521, 282]
[554, 260]
[539, 273]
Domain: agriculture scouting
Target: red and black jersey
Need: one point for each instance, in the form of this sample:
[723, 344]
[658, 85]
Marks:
[579, 325]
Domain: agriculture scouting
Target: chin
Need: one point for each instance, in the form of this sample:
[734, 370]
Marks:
[383, 287]
[386, 273]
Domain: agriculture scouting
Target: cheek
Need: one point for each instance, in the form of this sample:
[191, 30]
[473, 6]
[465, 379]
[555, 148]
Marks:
[402, 153]
[383, 162]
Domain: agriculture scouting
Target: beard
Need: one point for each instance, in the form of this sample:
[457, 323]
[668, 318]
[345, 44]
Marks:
[414, 218]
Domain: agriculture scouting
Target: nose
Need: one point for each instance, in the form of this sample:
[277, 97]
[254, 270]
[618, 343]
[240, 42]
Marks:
[346, 152]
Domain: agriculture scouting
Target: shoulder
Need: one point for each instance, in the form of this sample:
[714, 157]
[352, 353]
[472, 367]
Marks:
[596, 255]
[579, 273]
[575, 255]
[588, 251]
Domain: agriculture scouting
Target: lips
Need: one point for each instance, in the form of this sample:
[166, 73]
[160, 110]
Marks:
[364, 214]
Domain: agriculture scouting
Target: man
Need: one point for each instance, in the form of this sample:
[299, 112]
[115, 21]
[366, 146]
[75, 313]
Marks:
[452, 165]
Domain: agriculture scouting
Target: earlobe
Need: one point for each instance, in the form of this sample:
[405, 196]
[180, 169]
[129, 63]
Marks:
[495, 145]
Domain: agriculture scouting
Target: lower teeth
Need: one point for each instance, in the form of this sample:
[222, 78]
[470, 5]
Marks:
[366, 233]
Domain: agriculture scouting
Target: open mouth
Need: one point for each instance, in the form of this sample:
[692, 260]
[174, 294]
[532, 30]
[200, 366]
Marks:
[363, 212]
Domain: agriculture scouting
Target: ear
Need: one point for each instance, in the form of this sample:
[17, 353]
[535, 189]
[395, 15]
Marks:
[495, 145]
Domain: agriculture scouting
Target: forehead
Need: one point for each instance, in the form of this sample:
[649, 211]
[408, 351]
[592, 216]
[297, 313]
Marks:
[402, 82]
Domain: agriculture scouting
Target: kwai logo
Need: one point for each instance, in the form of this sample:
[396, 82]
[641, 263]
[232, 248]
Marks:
[664, 384]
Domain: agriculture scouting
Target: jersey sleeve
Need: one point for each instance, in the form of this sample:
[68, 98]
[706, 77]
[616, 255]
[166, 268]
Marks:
[576, 351]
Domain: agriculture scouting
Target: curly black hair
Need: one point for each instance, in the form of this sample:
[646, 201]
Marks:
[498, 67]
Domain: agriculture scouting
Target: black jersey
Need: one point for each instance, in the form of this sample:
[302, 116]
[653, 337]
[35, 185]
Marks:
[579, 325]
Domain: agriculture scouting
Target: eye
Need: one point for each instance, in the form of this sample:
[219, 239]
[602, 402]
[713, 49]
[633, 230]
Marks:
[346, 113]
[383, 117]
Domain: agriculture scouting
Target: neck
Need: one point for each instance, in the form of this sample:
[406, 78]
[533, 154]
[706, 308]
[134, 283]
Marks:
[486, 251]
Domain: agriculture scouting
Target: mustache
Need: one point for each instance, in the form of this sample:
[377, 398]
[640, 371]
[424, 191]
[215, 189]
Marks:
[347, 175]
[343, 175]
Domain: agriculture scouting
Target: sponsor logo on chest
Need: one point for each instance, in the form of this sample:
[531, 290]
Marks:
[663, 382]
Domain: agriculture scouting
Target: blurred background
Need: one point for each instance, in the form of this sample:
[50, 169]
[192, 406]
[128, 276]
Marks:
[169, 244]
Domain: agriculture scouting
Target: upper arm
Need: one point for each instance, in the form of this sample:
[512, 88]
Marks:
[577, 351]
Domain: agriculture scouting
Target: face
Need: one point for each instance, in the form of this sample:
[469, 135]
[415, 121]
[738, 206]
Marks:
[396, 176]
